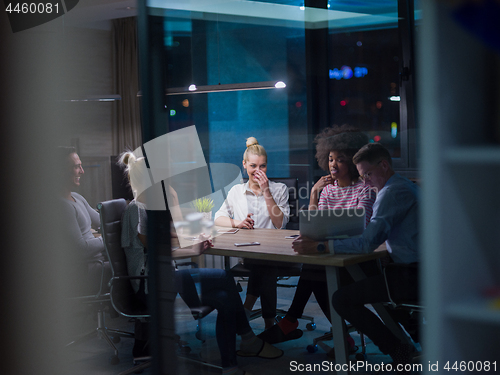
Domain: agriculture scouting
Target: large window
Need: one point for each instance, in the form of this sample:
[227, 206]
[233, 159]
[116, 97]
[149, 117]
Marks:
[349, 62]
[361, 77]
[364, 83]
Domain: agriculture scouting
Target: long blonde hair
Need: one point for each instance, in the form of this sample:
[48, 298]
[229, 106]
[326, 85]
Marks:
[254, 148]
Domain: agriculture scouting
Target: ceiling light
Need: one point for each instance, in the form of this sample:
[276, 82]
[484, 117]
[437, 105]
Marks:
[193, 89]
[94, 98]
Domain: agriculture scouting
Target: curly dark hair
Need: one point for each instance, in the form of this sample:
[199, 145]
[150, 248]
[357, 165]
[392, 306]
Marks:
[345, 139]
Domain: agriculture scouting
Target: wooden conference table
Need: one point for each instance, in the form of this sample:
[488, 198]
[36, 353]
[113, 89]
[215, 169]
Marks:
[274, 246]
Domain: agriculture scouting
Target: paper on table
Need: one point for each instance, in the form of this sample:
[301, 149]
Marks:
[229, 230]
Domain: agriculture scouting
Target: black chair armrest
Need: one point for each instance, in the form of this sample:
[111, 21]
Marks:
[121, 278]
[401, 280]
[185, 264]
[101, 283]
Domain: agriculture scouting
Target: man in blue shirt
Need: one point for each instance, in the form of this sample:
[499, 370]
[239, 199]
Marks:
[395, 221]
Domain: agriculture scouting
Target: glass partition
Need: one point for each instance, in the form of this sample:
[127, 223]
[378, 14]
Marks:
[345, 63]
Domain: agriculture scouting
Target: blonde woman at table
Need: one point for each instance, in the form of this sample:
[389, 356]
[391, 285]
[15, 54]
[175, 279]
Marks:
[340, 189]
[258, 203]
[218, 289]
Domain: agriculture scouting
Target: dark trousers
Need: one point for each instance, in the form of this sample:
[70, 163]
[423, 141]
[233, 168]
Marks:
[313, 280]
[349, 302]
[262, 283]
[218, 290]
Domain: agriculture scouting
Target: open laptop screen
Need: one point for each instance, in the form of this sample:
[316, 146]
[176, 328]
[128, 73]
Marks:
[323, 225]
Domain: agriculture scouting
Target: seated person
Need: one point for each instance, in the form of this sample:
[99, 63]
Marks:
[78, 218]
[395, 221]
[218, 289]
[341, 188]
[259, 203]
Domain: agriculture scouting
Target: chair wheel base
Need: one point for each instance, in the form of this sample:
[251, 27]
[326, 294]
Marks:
[312, 348]
[185, 350]
[311, 326]
[361, 357]
[200, 336]
[114, 360]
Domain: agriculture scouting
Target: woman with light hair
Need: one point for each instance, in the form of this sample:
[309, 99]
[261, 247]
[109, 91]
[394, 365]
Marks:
[258, 203]
[218, 289]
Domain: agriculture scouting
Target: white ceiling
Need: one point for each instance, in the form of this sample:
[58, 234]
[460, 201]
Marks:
[98, 13]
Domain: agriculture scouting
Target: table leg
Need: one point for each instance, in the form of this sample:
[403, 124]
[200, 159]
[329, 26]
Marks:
[338, 328]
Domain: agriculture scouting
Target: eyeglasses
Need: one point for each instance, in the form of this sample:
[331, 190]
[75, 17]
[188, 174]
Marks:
[367, 175]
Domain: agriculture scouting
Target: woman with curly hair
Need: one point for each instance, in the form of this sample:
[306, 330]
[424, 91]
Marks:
[340, 189]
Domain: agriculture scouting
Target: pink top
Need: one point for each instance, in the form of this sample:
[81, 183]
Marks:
[353, 196]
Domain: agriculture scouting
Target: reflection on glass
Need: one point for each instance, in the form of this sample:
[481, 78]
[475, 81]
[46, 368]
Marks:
[364, 75]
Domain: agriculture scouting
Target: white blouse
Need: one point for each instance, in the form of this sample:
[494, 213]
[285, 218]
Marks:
[241, 201]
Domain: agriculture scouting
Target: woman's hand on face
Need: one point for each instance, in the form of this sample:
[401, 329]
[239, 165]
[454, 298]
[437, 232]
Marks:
[261, 179]
[322, 182]
[247, 223]
[304, 245]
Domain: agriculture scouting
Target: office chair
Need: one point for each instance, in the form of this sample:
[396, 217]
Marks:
[402, 283]
[330, 352]
[123, 298]
[100, 301]
[286, 270]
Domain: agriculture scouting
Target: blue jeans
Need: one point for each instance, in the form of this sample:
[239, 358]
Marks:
[218, 290]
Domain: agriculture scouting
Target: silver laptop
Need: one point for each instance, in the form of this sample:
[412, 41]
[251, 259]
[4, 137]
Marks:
[321, 225]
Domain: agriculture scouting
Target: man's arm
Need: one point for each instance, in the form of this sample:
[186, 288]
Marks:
[389, 209]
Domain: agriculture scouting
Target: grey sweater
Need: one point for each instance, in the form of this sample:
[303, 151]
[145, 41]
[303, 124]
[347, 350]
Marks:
[79, 218]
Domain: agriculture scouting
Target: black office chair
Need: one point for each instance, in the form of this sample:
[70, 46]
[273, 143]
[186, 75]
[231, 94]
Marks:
[402, 283]
[123, 298]
[405, 277]
[286, 270]
[100, 303]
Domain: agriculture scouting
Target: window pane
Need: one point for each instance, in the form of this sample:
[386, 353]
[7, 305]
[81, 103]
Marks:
[364, 83]
[228, 46]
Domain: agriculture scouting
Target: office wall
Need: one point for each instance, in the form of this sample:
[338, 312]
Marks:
[34, 74]
[87, 124]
